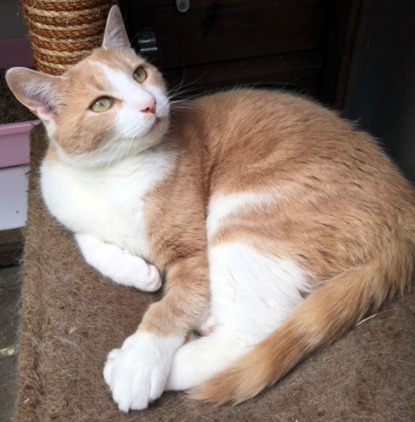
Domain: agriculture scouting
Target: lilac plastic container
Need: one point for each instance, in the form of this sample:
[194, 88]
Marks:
[14, 143]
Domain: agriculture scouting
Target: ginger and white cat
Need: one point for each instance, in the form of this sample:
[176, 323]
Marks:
[282, 223]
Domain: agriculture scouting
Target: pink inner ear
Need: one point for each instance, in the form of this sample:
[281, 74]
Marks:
[45, 113]
[40, 99]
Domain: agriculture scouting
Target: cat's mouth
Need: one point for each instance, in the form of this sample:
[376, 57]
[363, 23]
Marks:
[156, 122]
[154, 127]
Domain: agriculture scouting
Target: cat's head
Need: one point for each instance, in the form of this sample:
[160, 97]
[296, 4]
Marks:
[109, 105]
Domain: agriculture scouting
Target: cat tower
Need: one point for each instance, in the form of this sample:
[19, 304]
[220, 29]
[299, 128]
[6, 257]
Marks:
[62, 32]
[71, 317]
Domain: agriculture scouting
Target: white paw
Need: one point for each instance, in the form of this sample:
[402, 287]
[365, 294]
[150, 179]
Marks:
[149, 282]
[136, 272]
[119, 265]
[136, 374]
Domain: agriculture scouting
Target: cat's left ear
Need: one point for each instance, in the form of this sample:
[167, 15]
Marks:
[115, 35]
[38, 91]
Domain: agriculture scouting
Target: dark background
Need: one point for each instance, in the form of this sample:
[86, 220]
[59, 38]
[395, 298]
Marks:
[354, 55]
[381, 88]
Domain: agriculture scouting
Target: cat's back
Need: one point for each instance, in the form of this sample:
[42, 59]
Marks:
[282, 134]
[260, 120]
[256, 140]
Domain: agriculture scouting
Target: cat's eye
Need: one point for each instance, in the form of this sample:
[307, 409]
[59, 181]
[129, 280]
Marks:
[140, 75]
[102, 104]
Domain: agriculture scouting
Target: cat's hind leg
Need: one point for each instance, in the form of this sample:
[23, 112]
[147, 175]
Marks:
[251, 295]
[198, 360]
[117, 264]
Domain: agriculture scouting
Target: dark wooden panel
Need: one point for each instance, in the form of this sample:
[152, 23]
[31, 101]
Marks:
[226, 42]
[213, 31]
[344, 17]
[296, 71]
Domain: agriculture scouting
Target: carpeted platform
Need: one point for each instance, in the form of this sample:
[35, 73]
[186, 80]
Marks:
[71, 318]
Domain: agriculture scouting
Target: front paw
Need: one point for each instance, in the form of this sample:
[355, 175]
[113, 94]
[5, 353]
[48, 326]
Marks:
[137, 273]
[118, 264]
[153, 280]
[137, 373]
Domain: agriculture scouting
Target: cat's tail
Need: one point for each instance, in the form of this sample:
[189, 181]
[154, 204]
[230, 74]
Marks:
[322, 317]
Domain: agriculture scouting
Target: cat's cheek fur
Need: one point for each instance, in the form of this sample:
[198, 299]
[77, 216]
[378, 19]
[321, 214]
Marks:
[137, 373]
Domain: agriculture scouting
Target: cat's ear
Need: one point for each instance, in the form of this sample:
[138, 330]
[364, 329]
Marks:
[115, 35]
[37, 91]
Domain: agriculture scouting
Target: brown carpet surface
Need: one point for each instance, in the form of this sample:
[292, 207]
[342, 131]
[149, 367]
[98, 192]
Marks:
[71, 319]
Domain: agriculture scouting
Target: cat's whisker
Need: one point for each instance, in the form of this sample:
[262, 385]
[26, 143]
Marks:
[183, 95]
[120, 148]
[110, 162]
[188, 90]
[182, 82]
[183, 105]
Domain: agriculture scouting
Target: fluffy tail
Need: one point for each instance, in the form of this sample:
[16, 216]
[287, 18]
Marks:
[322, 318]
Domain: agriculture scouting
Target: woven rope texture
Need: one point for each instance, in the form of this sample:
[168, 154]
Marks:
[62, 32]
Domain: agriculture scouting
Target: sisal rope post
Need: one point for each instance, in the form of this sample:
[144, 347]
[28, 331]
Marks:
[62, 32]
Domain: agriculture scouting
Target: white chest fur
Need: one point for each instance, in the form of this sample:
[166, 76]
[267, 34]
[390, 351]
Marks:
[108, 203]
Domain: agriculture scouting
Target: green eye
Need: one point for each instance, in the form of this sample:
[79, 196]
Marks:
[140, 75]
[101, 105]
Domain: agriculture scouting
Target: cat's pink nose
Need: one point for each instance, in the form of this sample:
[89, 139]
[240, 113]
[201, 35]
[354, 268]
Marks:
[149, 107]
